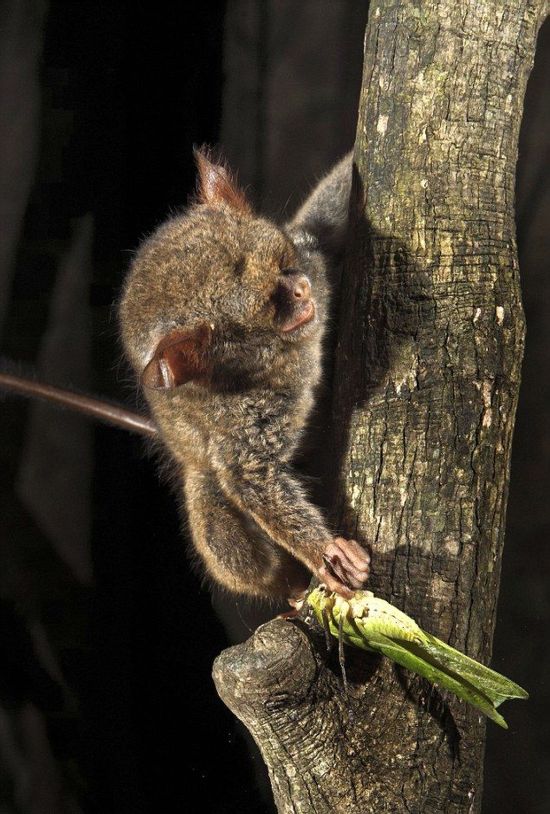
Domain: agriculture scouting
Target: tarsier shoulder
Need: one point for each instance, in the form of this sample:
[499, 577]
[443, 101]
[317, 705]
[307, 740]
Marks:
[222, 317]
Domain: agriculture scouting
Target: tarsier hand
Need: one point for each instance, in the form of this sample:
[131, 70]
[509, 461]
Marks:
[346, 567]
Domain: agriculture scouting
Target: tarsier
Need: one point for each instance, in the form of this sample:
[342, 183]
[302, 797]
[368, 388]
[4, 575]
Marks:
[222, 317]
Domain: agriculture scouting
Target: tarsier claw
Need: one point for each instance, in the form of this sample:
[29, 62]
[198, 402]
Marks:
[346, 566]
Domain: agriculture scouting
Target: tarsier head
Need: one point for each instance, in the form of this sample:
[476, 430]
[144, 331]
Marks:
[216, 294]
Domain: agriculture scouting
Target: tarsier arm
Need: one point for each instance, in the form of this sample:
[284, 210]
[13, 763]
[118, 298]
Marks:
[276, 501]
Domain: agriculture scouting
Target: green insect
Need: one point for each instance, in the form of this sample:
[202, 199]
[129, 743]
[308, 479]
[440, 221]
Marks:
[373, 624]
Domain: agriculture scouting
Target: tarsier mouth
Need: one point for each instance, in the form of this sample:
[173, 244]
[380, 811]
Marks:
[304, 314]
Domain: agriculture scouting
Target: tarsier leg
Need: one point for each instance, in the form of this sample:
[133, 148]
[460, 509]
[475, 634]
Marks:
[236, 552]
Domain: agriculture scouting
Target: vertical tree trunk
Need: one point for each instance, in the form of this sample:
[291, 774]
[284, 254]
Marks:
[426, 379]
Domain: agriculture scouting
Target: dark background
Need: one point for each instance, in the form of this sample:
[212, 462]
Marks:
[106, 635]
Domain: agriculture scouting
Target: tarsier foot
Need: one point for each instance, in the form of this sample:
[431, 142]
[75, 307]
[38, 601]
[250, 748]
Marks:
[346, 566]
[296, 601]
[289, 614]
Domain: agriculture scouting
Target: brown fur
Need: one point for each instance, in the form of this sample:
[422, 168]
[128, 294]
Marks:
[223, 316]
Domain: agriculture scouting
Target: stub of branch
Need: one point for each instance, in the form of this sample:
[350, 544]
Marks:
[330, 750]
[277, 685]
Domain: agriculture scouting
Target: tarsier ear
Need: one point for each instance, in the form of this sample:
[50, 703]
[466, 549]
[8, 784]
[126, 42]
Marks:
[215, 184]
[180, 357]
[325, 213]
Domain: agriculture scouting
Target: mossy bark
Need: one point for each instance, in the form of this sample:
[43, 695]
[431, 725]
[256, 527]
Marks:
[426, 378]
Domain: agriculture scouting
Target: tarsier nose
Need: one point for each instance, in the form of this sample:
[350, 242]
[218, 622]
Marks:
[302, 289]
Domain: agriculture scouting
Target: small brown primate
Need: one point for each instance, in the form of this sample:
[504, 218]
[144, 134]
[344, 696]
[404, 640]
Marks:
[222, 317]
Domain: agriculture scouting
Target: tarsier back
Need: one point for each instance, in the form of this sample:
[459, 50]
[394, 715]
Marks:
[222, 317]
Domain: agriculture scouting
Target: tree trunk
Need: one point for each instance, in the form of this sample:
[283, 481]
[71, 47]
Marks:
[426, 378]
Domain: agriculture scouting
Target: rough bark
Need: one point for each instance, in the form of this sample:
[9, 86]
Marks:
[426, 378]
[516, 778]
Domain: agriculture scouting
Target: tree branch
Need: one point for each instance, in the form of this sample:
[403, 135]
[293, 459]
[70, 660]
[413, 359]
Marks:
[426, 380]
